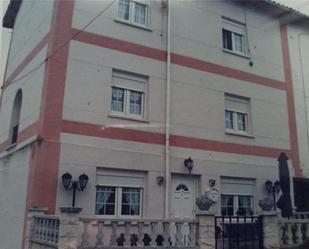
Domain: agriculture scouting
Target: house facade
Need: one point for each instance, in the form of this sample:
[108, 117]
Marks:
[128, 92]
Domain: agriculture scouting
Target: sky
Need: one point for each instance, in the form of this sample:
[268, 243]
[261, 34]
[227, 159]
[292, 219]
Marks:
[5, 34]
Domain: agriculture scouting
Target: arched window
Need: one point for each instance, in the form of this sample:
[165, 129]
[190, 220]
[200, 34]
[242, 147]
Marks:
[15, 117]
[182, 187]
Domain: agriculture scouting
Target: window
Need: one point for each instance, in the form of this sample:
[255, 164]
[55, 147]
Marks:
[134, 12]
[118, 201]
[232, 205]
[128, 94]
[234, 36]
[119, 193]
[237, 196]
[237, 111]
[15, 118]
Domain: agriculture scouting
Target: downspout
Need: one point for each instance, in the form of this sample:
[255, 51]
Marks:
[167, 118]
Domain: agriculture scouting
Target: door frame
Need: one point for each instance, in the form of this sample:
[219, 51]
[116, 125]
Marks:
[195, 192]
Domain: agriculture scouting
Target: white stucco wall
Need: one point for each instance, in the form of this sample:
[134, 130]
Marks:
[13, 188]
[83, 154]
[197, 98]
[31, 87]
[32, 24]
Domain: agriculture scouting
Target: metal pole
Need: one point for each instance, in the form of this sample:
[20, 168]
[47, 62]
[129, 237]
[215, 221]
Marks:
[74, 186]
[274, 197]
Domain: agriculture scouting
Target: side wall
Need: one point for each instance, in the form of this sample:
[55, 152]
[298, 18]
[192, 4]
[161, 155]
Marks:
[25, 71]
[13, 189]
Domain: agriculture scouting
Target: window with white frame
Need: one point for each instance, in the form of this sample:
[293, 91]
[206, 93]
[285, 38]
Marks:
[119, 193]
[128, 94]
[234, 36]
[118, 201]
[135, 12]
[237, 110]
[241, 205]
[237, 196]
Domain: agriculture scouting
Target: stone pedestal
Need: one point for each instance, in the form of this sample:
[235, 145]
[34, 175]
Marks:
[69, 232]
[271, 230]
[30, 224]
[206, 229]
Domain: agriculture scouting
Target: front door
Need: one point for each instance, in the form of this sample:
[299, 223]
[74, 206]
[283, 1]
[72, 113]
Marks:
[182, 197]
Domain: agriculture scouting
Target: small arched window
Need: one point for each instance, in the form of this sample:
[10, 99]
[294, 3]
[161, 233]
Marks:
[15, 117]
[182, 187]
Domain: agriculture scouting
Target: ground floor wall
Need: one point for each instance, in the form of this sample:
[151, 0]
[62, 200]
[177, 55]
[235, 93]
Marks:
[121, 164]
[13, 189]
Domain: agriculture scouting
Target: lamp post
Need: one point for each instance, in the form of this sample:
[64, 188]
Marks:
[79, 184]
[273, 188]
[189, 164]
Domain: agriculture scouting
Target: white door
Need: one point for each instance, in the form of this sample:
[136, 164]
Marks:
[182, 197]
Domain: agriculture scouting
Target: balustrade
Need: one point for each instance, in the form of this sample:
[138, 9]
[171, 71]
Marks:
[101, 233]
[293, 231]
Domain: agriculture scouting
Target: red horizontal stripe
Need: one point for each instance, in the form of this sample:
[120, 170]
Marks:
[112, 132]
[116, 44]
[26, 60]
[225, 71]
[211, 145]
[157, 54]
[102, 131]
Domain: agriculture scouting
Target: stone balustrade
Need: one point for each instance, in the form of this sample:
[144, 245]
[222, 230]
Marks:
[98, 233]
[293, 231]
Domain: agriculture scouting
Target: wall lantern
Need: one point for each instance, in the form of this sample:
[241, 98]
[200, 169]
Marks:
[160, 180]
[79, 184]
[189, 164]
[273, 188]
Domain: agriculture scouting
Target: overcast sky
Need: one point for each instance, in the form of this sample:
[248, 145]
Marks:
[5, 34]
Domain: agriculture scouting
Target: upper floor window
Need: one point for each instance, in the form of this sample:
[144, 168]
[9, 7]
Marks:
[234, 36]
[15, 118]
[237, 111]
[128, 94]
[134, 12]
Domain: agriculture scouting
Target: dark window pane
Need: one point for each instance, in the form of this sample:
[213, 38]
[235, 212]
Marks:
[227, 39]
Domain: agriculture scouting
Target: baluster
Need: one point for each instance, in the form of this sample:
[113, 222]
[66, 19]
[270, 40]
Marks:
[53, 231]
[179, 238]
[153, 233]
[85, 235]
[127, 236]
[192, 234]
[166, 233]
[289, 234]
[113, 241]
[306, 230]
[298, 233]
[57, 231]
[140, 233]
[40, 229]
[99, 236]
[283, 236]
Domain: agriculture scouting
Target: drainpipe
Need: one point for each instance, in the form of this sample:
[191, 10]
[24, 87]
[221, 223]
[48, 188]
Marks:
[167, 118]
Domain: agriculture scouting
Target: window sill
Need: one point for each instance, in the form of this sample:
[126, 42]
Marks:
[235, 53]
[128, 117]
[233, 133]
[133, 24]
